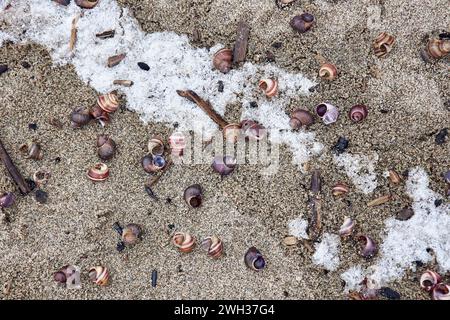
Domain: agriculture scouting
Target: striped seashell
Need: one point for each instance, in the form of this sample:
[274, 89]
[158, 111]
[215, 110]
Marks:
[108, 102]
[213, 246]
[183, 241]
[99, 275]
[269, 86]
[429, 280]
[99, 172]
[383, 44]
[328, 71]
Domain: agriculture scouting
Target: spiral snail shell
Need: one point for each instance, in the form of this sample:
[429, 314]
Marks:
[232, 132]
[106, 147]
[100, 115]
[153, 164]
[340, 189]
[177, 143]
[7, 199]
[347, 227]
[269, 86]
[223, 59]
[429, 280]
[99, 275]
[302, 23]
[156, 146]
[108, 102]
[328, 71]
[383, 44]
[224, 165]
[86, 4]
[131, 234]
[441, 292]
[369, 246]
[40, 177]
[99, 172]
[300, 118]
[183, 241]
[80, 117]
[358, 113]
[254, 259]
[193, 196]
[327, 112]
[213, 246]
[64, 274]
[437, 49]
[252, 130]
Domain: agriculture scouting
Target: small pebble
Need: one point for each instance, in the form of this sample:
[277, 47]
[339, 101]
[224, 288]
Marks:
[438, 202]
[120, 246]
[154, 278]
[31, 184]
[404, 214]
[143, 66]
[3, 68]
[419, 263]
[389, 293]
[220, 86]
[270, 57]
[253, 104]
[341, 145]
[277, 45]
[41, 196]
[32, 126]
[57, 160]
[441, 137]
[25, 64]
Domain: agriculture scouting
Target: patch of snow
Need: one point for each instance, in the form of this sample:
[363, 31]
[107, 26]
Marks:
[174, 65]
[360, 169]
[297, 228]
[327, 252]
[407, 241]
[353, 278]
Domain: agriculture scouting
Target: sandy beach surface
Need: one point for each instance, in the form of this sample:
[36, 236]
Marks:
[408, 103]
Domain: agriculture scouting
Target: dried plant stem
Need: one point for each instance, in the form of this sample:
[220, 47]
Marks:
[73, 33]
[13, 171]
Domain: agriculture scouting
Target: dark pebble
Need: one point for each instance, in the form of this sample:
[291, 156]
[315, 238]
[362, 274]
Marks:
[168, 200]
[120, 246]
[143, 66]
[32, 126]
[3, 68]
[341, 145]
[57, 160]
[404, 214]
[444, 35]
[270, 57]
[253, 104]
[438, 202]
[41, 196]
[175, 125]
[154, 278]
[31, 184]
[441, 137]
[25, 64]
[220, 86]
[384, 111]
[389, 293]
[419, 263]
[118, 228]
[277, 45]
[286, 294]
[313, 89]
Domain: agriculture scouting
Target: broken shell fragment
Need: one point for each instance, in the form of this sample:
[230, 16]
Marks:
[193, 196]
[429, 280]
[290, 241]
[441, 292]
[177, 143]
[437, 49]
[301, 118]
[328, 71]
[99, 275]
[380, 200]
[213, 246]
[155, 147]
[100, 115]
[131, 234]
[302, 23]
[106, 147]
[7, 199]
[269, 86]
[41, 177]
[183, 241]
[347, 227]
[63, 274]
[232, 132]
[106, 34]
[153, 164]
[254, 259]
[115, 60]
[358, 113]
[86, 4]
[327, 112]
[252, 130]
[33, 150]
[369, 246]
[224, 165]
[108, 102]
[340, 189]
[223, 59]
[394, 177]
[383, 44]
[125, 83]
[99, 172]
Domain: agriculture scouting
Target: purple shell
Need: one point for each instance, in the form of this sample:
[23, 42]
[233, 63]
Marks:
[7, 200]
[327, 112]
[224, 165]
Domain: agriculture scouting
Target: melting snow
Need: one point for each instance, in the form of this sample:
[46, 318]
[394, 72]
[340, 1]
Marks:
[327, 252]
